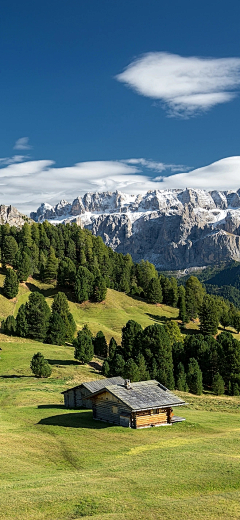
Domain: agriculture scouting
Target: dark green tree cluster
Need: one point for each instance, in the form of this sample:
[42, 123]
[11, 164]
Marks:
[37, 321]
[143, 354]
[211, 363]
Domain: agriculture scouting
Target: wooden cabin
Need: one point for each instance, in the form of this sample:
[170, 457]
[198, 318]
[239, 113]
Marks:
[78, 397]
[136, 405]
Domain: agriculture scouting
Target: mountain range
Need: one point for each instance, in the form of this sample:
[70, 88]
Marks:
[174, 229]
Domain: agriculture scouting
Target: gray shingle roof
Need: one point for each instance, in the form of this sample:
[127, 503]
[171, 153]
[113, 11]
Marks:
[144, 395]
[98, 384]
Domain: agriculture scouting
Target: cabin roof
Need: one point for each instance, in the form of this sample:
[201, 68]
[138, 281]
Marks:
[143, 395]
[98, 384]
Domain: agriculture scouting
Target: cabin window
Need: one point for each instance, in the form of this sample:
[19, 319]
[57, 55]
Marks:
[114, 409]
[154, 411]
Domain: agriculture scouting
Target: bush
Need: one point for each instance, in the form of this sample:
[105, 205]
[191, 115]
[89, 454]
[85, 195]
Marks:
[40, 366]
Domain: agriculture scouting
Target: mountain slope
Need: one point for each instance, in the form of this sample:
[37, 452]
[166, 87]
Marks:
[174, 229]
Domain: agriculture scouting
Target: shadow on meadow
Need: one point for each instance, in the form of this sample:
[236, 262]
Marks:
[161, 319]
[63, 362]
[74, 420]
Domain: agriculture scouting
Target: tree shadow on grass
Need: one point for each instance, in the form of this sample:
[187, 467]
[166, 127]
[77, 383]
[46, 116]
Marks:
[59, 406]
[13, 376]
[63, 362]
[74, 420]
[161, 319]
[47, 293]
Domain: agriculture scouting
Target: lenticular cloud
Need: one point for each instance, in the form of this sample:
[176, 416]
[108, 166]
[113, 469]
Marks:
[185, 86]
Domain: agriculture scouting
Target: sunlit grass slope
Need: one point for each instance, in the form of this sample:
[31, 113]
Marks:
[59, 464]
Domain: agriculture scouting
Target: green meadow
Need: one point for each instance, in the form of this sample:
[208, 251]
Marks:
[59, 464]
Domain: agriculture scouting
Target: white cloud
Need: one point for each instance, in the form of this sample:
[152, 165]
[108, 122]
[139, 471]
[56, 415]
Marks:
[220, 175]
[184, 85]
[26, 185]
[22, 144]
[12, 160]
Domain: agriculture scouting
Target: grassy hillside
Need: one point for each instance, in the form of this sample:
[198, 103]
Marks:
[109, 316]
[61, 465]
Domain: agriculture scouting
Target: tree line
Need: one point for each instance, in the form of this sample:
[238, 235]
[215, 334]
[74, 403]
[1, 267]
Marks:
[161, 352]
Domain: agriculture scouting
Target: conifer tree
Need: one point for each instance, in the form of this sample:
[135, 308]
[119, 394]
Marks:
[56, 334]
[60, 306]
[131, 371]
[8, 326]
[218, 384]
[142, 368]
[66, 272]
[40, 366]
[112, 348]
[100, 345]
[99, 289]
[130, 334]
[181, 380]
[83, 284]
[9, 250]
[37, 316]
[117, 365]
[11, 284]
[154, 291]
[51, 267]
[24, 267]
[106, 368]
[21, 322]
[208, 315]
[194, 377]
[83, 345]
[194, 297]
[182, 304]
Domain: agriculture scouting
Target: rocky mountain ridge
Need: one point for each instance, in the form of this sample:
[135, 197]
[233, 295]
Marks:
[13, 217]
[174, 229]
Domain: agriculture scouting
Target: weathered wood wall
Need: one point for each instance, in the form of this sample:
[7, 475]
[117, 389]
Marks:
[108, 408]
[73, 398]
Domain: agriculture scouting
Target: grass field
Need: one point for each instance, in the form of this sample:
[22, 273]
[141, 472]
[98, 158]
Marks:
[58, 464]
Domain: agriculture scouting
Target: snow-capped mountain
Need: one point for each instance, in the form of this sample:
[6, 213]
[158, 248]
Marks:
[174, 229]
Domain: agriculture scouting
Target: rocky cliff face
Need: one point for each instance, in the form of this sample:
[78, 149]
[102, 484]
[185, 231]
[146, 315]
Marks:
[10, 215]
[174, 229]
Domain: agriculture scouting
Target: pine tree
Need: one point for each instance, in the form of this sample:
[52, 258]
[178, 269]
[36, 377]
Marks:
[83, 345]
[9, 326]
[131, 371]
[24, 268]
[9, 250]
[181, 383]
[51, 267]
[37, 316]
[182, 304]
[56, 334]
[194, 377]
[66, 272]
[100, 345]
[40, 366]
[194, 297]
[154, 291]
[60, 306]
[106, 369]
[21, 322]
[99, 289]
[218, 385]
[118, 365]
[142, 368]
[83, 284]
[11, 284]
[208, 316]
[172, 329]
[112, 348]
[130, 334]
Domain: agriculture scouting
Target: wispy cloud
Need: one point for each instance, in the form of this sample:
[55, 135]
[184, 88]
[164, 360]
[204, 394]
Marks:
[27, 184]
[185, 86]
[157, 166]
[12, 160]
[22, 144]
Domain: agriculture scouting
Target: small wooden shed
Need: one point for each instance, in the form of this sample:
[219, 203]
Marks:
[136, 405]
[78, 397]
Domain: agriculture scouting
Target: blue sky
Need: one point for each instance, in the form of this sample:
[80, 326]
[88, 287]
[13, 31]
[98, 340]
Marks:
[64, 89]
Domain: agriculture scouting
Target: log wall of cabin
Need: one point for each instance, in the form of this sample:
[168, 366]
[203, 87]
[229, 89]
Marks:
[73, 398]
[153, 417]
[108, 408]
